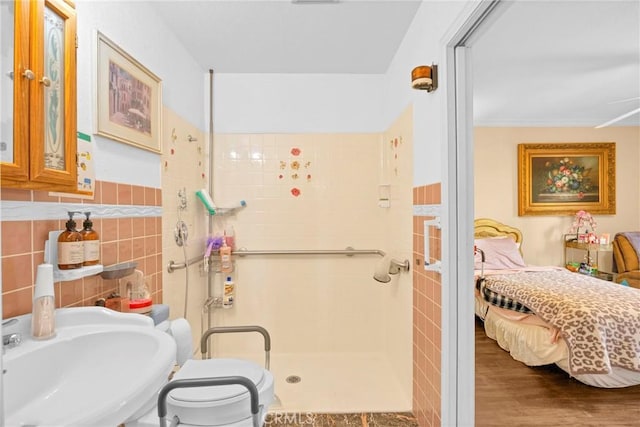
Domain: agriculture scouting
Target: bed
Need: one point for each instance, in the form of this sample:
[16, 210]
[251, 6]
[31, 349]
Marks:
[544, 315]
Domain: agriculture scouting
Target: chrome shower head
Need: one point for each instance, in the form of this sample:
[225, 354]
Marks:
[388, 266]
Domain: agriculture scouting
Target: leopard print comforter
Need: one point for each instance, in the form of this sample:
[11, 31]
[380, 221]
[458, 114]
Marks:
[599, 320]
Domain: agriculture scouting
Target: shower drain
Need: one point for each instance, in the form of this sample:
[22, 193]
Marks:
[293, 379]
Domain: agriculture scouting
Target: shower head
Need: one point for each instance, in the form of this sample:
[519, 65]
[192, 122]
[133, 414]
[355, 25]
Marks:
[381, 273]
[388, 266]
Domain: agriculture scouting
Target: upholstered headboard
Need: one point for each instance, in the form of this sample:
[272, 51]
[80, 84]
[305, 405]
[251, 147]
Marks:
[486, 227]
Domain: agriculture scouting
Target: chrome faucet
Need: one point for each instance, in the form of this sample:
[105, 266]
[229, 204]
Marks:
[10, 340]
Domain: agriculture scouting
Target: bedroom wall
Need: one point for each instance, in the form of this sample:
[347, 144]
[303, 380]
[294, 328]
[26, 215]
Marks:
[496, 179]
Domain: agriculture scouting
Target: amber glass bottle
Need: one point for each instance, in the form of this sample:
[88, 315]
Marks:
[70, 248]
[90, 241]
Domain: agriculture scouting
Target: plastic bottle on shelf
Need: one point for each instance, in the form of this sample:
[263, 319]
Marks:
[90, 242]
[229, 293]
[226, 265]
[70, 248]
[230, 237]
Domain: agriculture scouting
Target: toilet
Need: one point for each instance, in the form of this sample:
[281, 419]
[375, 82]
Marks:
[226, 405]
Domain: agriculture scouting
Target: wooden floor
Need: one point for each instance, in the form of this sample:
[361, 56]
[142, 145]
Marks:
[509, 393]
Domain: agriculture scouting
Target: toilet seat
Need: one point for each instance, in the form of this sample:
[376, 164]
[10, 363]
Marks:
[220, 405]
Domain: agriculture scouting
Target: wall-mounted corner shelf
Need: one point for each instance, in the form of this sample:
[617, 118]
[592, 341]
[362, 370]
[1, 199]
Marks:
[384, 195]
[51, 257]
[228, 211]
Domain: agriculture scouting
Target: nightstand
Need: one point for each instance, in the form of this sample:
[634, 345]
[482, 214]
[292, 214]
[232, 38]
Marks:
[591, 253]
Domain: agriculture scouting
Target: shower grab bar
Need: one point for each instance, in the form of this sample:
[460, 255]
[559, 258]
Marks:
[233, 329]
[172, 266]
[349, 251]
[207, 382]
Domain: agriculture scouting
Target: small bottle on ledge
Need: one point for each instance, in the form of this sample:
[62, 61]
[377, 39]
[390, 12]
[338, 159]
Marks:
[43, 319]
[70, 247]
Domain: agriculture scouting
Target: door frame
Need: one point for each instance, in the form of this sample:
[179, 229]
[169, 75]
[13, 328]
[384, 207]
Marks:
[458, 325]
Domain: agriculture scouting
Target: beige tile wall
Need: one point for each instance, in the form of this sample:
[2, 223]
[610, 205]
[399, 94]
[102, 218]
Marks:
[121, 240]
[308, 303]
[427, 315]
[397, 146]
[184, 168]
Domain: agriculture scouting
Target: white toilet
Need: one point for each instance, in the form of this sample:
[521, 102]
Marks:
[227, 405]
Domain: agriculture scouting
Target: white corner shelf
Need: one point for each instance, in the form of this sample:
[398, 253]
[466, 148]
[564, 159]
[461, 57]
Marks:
[219, 211]
[51, 257]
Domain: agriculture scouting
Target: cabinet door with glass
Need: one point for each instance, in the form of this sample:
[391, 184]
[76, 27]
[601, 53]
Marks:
[38, 139]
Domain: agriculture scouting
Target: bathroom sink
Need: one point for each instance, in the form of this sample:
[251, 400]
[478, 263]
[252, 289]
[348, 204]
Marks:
[100, 369]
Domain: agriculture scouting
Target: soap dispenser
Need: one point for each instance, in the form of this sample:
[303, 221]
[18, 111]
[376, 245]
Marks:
[70, 248]
[43, 320]
[90, 241]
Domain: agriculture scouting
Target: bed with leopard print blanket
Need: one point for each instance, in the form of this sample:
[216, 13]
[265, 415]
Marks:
[599, 320]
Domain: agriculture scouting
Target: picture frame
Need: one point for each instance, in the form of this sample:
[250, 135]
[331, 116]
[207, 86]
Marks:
[563, 178]
[128, 98]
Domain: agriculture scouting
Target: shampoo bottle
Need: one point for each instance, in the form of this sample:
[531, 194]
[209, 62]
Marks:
[70, 248]
[90, 242]
[43, 320]
[230, 237]
[229, 293]
[225, 257]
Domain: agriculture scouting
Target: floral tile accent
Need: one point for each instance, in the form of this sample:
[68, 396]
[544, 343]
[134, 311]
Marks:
[294, 170]
[395, 144]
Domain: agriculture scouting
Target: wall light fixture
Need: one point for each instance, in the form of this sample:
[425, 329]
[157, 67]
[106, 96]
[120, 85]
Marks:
[425, 77]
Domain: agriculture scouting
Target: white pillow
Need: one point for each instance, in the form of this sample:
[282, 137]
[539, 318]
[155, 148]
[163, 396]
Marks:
[499, 253]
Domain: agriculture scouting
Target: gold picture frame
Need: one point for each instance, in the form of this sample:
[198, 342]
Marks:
[129, 98]
[561, 179]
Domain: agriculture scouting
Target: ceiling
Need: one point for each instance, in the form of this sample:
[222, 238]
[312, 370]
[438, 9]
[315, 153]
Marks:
[558, 63]
[538, 63]
[278, 36]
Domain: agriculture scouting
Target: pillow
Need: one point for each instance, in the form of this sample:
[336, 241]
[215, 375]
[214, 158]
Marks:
[499, 254]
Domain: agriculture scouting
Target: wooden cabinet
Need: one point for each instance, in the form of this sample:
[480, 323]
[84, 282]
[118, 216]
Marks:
[40, 151]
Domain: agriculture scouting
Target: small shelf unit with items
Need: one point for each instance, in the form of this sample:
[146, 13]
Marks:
[589, 258]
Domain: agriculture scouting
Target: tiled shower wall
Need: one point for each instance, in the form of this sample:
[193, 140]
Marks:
[304, 191]
[122, 239]
[427, 315]
[184, 171]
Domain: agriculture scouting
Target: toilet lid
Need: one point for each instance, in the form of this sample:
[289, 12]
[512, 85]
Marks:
[216, 368]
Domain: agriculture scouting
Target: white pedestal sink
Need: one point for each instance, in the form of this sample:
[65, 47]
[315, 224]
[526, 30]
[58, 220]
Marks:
[100, 369]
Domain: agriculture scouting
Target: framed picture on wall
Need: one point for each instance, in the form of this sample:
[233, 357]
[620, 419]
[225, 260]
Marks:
[561, 179]
[129, 98]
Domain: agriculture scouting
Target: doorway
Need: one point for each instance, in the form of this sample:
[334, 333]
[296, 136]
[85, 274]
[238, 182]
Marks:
[459, 327]
[460, 175]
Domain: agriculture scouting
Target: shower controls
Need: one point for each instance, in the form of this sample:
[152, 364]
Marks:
[180, 233]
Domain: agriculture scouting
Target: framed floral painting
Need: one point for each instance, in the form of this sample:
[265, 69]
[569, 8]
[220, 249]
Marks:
[561, 179]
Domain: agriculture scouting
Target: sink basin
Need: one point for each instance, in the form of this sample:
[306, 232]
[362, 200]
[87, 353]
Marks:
[100, 369]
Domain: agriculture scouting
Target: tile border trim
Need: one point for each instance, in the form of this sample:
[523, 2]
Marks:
[427, 210]
[33, 211]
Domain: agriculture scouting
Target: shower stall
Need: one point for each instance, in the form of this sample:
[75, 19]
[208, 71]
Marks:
[340, 340]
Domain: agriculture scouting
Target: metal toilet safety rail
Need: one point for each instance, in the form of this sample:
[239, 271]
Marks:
[206, 382]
